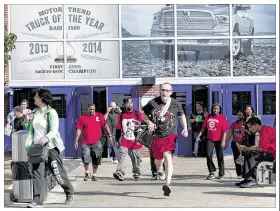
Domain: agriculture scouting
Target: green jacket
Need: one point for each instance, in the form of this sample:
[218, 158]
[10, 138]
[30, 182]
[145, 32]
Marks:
[53, 125]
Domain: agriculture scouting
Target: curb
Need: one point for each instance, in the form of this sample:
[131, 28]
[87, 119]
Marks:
[69, 165]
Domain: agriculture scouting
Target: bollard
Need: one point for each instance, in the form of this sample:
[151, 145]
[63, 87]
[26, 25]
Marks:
[21, 169]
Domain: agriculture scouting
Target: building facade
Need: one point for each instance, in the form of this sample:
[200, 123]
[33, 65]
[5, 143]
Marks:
[101, 53]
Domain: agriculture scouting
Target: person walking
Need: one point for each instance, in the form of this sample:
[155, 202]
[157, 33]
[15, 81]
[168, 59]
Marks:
[42, 129]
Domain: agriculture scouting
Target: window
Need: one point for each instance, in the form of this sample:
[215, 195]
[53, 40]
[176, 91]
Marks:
[59, 104]
[215, 97]
[181, 97]
[269, 102]
[6, 105]
[240, 100]
[84, 103]
[118, 98]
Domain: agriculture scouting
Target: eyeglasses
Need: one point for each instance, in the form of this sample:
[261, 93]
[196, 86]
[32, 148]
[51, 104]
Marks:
[92, 109]
[166, 90]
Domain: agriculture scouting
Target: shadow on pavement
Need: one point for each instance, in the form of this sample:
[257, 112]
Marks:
[100, 193]
[242, 194]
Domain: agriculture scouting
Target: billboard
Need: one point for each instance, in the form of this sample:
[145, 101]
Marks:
[43, 38]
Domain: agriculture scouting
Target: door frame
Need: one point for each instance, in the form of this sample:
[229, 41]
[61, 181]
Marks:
[267, 119]
[184, 145]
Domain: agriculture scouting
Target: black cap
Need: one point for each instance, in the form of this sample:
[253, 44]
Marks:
[125, 100]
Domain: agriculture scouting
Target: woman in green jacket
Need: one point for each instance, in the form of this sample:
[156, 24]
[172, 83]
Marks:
[42, 126]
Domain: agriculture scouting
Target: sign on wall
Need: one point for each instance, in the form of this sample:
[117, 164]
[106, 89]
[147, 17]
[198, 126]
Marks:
[84, 60]
[82, 21]
[37, 61]
[39, 57]
[92, 59]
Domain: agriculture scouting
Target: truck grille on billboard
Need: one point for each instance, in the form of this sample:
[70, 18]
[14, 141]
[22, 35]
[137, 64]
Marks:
[189, 20]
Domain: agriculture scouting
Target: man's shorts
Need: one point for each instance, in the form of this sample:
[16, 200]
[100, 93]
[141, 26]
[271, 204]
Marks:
[92, 153]
[161, 145]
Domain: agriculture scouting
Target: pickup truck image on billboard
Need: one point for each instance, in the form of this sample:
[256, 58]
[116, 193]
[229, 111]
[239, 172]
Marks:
[204, 21]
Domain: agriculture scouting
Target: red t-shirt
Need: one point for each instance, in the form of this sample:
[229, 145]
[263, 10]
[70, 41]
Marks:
[237, 131]
[216, 126]
[127, 126]
[92, 127]
[268, 140]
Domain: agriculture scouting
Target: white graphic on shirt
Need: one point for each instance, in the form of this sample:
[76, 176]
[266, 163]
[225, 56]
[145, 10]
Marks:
[212, 124]
[97, 119]
[128, 126]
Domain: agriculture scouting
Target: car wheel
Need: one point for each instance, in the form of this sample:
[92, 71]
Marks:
[248, 46]
[236, 45]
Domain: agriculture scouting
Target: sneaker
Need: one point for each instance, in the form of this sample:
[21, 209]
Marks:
[154, 176]
[211, 176]
[94, 178]
[111, 160]
[239, 177]
[166, 190]
[194, 154]
[161, 175]
[118, 176]
[136, 177]
[116, 161]
[87, 176]
[34, 205]
[241, 183]
[69, 200]
[221, 177]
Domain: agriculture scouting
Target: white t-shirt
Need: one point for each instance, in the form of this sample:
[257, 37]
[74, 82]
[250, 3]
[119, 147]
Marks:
[40, 126]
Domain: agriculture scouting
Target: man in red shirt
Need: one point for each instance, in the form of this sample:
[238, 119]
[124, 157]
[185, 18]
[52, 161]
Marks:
[91, 125]
[265, 151]
[129, 146]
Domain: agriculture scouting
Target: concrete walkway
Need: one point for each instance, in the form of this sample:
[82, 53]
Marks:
[189, 188]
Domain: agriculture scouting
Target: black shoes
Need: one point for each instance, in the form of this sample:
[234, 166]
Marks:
[69, 200]
[166, 190]
[118, 176]
[211, 176]
[249, 184]
[87, 176]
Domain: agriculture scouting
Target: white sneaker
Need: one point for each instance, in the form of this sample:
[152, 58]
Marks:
[116, 161]
[111, 160]
[161, 175]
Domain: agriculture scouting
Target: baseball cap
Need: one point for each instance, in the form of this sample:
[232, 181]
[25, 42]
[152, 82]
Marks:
[125, 100]
[18, 109]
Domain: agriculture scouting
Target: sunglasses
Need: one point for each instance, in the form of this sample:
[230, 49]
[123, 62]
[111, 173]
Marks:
[165, 90]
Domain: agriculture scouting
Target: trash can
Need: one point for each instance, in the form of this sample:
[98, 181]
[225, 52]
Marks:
[21, 169]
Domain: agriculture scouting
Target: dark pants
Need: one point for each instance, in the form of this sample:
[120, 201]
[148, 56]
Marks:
[252, 161]
[236, 153]
[55, 165]
[112, 152]
[220, 157]
[201, 146]
[152, 162]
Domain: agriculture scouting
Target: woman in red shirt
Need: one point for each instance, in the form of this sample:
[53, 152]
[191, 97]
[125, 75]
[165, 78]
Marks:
[236, 132]
[216, 125]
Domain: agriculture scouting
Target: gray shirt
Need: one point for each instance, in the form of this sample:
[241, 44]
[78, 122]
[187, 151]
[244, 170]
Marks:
[112, 121]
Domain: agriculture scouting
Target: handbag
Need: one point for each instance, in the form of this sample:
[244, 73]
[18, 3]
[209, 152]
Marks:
[143, 136]
[38, 153]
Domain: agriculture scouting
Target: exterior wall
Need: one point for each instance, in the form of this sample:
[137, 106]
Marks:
[6, 75]
[145, 90]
